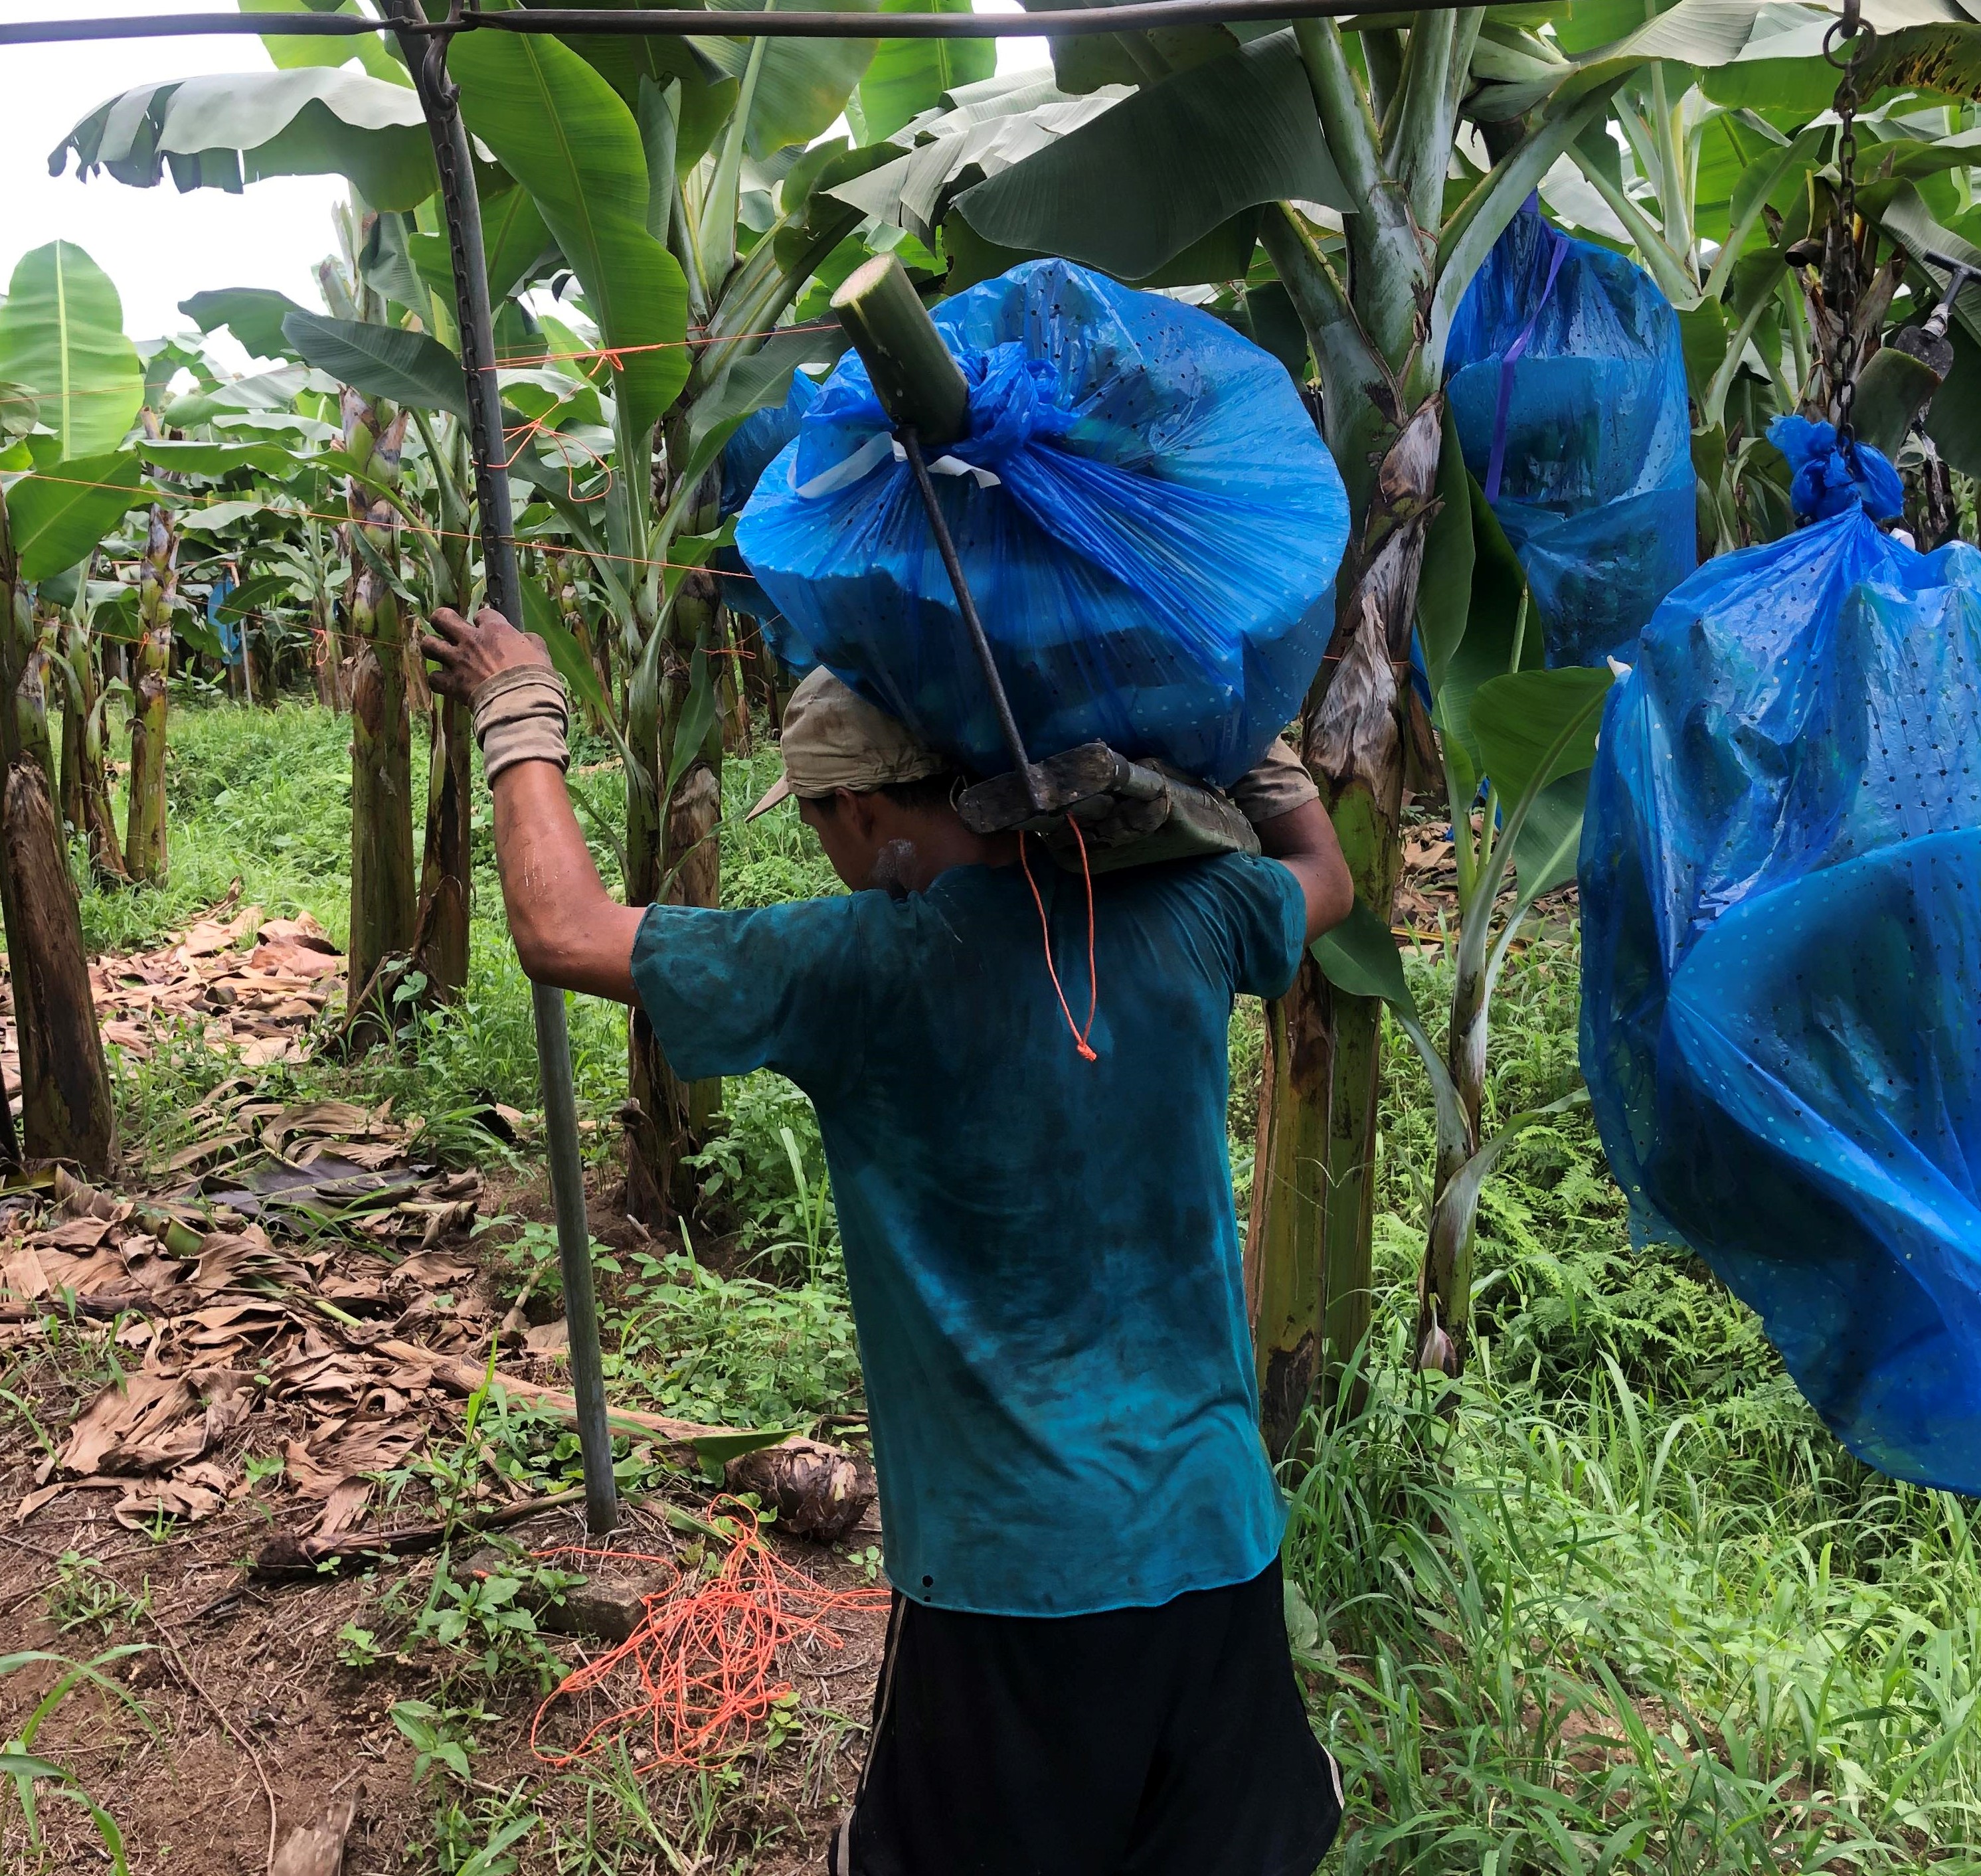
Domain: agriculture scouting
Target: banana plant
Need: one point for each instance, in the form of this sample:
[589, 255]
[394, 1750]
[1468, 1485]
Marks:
[65, 1106]
[145, 853]
[678, 186]
[62, 342]
[396, 386]
[676, 181]
[1516, 742]
[323, 118]
[87, 697]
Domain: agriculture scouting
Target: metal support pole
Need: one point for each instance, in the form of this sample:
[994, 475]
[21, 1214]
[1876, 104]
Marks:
[426, 57]
[1036, 786]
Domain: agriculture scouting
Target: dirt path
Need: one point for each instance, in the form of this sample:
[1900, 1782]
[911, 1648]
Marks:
[260, 1333]
[187, 1792]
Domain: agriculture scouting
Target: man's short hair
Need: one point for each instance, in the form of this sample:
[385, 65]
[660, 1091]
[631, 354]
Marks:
[927, 794]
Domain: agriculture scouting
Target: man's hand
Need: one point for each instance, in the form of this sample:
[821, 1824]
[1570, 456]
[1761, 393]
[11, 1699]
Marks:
[567, 930]
[467, 655]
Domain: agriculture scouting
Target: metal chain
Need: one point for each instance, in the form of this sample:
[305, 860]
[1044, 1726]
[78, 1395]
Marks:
[1854, 29]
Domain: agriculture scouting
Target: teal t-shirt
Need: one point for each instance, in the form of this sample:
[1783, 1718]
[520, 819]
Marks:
[1041, 1251]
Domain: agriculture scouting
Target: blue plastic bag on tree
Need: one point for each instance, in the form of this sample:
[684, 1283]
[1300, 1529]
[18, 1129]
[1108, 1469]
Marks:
[1566, 379]
[1149, 521]
[1781, 905]
[751, 448]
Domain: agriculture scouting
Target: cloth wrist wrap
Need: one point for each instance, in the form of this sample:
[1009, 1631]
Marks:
[520, 716]
[1276, 785]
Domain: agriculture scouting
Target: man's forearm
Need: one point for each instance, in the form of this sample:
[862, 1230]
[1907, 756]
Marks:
[1303, 843]
[568, 930]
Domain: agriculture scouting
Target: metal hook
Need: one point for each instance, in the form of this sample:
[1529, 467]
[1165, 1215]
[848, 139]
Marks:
[435, 57]
[1852, 28]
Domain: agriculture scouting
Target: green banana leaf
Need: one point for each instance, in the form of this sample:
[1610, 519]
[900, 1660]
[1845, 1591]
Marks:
[1360, 956]
[1534, 727]
[562, 132]
[382, 362]
[194, 455]
[1133, 189]
[287, 54]
[1785, 69]
[802, 84]
[61, 338]
[1545, 849]
[910, 76]
[253, 314]
[61, 511]
[236, 128]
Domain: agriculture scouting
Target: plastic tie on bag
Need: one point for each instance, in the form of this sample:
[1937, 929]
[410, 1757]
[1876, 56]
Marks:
[1828, 478]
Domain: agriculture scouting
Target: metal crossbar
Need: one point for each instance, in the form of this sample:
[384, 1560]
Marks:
[692, 22]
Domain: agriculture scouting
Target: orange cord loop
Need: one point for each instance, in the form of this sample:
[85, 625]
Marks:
[1082, 1047]
[703, 1661]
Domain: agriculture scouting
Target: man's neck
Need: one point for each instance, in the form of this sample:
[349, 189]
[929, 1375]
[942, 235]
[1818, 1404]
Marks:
[934, 844]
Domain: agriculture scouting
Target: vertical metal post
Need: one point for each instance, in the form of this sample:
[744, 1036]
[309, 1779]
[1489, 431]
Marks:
[426, 57]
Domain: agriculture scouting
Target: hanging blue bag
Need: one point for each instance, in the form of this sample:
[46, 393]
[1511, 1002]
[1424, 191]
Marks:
[1566, 379]
[1148, 519]
[751, 448]
[1781, 904]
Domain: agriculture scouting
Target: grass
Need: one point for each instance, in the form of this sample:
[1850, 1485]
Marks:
[1617, 1603]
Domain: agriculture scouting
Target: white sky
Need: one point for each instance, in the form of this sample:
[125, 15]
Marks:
[159, 246]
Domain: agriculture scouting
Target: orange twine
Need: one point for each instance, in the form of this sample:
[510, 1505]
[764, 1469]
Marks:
[1082, 1047]
[702, 1664]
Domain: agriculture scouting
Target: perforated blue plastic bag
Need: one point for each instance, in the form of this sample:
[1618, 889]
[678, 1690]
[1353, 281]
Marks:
[1149, 521]
[1566, 379]
[1781, 903]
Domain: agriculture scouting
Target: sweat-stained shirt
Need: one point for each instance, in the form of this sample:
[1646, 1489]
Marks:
[1042, 1251]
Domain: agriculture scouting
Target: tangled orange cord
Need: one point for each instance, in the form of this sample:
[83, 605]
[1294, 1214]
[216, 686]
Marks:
[703, 1661]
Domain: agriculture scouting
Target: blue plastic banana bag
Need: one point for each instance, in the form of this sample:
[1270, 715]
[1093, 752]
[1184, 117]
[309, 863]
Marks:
[1566, 379]
[1149, 521]
[1781, 901]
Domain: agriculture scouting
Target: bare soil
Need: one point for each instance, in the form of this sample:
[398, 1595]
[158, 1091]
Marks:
[235, 1698]
[190, 1791]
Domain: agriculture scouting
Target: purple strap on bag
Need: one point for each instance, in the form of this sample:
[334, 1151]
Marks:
[1497, 461]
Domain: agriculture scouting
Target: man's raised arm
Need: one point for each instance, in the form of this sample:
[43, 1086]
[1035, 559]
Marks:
[568, 930]
[1280, 799]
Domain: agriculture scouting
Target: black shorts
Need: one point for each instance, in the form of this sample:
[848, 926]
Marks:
[1169, 1742]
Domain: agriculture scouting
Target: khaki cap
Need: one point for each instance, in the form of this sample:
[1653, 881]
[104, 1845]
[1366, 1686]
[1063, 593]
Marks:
[833, 738]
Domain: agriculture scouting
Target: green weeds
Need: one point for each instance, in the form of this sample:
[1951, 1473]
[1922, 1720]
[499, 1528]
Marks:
[1618, 1603]
[442, 1738]
[733, 1351]
[31, 1777]
[766, 1169]
[487, 1621]
[85, 1595]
